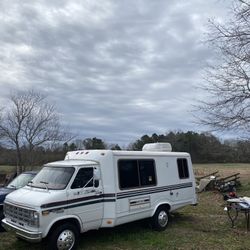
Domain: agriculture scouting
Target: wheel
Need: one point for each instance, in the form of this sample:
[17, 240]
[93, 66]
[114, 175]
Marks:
[2, 229]
[160, 219]
[64, 237]
[1, 217]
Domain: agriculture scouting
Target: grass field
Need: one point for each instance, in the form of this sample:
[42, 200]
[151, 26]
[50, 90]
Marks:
[12, 169]
[205, 226]
[7, 169]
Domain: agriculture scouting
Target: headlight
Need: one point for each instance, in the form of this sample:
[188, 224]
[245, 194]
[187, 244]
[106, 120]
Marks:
[34, 219]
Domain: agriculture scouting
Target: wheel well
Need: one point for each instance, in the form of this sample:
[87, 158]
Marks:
[167, 206]
[69, 220]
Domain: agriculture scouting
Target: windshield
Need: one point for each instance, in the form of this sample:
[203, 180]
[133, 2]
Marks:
[21, 180]
[55, 178]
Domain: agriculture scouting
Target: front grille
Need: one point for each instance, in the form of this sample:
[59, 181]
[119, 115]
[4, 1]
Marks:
[21, 216]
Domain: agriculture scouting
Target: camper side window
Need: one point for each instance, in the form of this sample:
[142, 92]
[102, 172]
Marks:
[147, 172]
[83, 178]
[136, 173]
[183, 168]
[128, 173]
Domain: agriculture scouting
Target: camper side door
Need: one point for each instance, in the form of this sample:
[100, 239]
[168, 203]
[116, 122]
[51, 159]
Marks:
[135, 178]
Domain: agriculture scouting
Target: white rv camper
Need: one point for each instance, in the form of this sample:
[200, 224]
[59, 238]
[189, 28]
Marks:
[93, 189]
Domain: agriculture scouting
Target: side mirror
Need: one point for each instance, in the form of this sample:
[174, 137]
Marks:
[97, 174]
[96, 183]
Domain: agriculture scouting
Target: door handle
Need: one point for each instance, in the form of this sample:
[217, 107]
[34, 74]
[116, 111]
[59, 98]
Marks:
[77, 193]
[98, 193]
[171, 192]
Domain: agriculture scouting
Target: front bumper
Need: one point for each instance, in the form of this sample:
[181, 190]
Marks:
[22, 233]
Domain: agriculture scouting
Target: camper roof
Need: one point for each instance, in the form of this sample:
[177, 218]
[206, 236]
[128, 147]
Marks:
[73, 163]
[96, 154]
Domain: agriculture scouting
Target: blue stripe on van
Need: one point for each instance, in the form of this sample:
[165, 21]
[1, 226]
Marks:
[111, 197]
[153, 190]
[68, 202]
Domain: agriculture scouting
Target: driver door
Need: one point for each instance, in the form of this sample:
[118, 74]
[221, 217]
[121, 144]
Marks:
[85, 198]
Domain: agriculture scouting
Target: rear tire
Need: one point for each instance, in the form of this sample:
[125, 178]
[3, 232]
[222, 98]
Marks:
[160, 219]
[64, 237]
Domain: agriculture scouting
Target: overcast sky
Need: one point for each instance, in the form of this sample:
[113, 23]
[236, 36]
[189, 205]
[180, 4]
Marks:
[115, 69]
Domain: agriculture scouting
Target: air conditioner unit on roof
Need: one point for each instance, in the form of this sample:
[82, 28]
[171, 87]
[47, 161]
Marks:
[158, 147]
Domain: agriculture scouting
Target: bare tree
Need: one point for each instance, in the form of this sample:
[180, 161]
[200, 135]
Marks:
[28, 122]
[228, 80]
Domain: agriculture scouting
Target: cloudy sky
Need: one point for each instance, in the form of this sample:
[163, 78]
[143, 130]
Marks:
[116, 69]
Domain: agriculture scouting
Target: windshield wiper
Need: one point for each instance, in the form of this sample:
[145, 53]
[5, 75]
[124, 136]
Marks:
[30, 183]
[12, 186]
[45, 184]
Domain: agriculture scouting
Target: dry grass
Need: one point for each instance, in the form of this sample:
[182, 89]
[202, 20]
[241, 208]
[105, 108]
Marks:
[7, 169]
[225, 169]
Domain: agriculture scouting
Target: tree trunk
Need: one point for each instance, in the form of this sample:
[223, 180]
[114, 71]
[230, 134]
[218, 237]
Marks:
[19, 169]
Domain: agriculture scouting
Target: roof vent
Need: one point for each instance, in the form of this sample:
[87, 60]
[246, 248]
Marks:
[158, 147]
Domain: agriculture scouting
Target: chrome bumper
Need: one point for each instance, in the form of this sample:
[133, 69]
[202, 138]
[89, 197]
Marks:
[22, 233]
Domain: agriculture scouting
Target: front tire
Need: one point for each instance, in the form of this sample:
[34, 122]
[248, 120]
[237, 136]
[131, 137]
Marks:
[1, 217]
[160, 219]
[64, 237]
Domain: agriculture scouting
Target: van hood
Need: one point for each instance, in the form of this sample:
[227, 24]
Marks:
[34, 197]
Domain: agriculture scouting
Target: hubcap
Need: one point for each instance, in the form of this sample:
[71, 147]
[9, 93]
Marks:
[66, 240]
[163, 218]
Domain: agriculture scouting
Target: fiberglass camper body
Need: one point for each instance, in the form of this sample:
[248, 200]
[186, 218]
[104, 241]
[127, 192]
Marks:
[92, 189]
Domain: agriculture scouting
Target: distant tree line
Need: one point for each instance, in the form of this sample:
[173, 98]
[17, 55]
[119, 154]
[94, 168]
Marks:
[203, 147]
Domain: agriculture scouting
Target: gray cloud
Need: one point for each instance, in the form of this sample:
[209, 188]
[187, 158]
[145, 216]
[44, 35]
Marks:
[115, 69]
